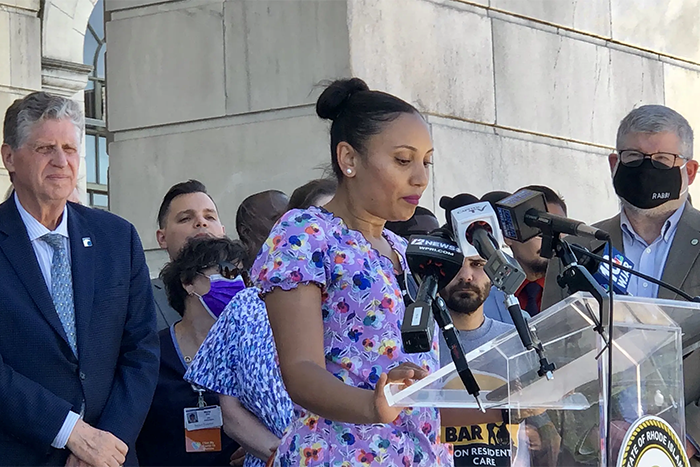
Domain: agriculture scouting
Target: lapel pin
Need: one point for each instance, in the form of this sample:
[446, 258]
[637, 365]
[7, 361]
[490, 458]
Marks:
[694, 241]
[87, 242]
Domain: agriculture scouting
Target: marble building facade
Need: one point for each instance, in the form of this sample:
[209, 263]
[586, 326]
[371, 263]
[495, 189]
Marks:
[515, 91]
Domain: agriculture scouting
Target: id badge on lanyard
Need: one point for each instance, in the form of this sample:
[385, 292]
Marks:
[203, 426]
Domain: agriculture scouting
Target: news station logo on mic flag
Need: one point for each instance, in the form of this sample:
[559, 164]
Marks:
[464, 216]
[621, 279]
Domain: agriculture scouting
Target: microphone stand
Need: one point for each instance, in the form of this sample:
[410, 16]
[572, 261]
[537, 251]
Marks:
[501, 277]
[444, 321]
[440, 266]
[528, 336]
[576, 278]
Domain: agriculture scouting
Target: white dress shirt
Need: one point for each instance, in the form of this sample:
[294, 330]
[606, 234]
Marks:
[44, 255]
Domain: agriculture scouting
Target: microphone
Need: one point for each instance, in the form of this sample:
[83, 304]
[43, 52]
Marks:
[477, 232]
[476, 229]
[524, 215]
[435, 260]
[418, 322]
[600, 269]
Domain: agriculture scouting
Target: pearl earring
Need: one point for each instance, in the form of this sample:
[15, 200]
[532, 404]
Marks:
[349, 171]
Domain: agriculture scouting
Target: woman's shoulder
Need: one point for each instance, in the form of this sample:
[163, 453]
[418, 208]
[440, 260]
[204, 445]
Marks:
[243, 305]
[314, 224]
[304, 217]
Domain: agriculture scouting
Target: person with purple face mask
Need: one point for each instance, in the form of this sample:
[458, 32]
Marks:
[221, 291]
[200, 282]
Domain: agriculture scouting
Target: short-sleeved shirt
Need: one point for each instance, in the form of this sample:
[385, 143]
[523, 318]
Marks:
[238, 358]
[362, 309]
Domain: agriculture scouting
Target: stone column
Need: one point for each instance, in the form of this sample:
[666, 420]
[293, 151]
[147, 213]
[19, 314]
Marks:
[41, 48]
[20, 56]
[63, 38]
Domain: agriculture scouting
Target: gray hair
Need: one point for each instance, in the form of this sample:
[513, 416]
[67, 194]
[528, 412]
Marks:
[657, 119]
[39, 106]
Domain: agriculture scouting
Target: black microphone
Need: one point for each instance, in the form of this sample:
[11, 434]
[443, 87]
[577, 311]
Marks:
[418, 322]
[435, 260]
[599, 267]
[524, 215]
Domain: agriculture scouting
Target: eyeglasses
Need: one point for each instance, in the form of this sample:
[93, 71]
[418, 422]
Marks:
[659, 160]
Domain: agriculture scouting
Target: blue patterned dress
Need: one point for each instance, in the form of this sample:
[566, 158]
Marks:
[238, 358]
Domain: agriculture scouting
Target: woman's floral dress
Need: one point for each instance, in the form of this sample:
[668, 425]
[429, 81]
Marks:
[362, 309]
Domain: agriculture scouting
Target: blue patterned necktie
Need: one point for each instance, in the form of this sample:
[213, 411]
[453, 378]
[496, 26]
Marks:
[62, 287]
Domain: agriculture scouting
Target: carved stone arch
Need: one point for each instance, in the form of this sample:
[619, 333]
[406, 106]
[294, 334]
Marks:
[63, 25]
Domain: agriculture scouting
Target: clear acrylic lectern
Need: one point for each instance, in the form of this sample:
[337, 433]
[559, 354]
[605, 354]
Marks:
[566, 412]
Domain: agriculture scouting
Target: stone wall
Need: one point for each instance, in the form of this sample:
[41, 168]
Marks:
[516, 91]
[221, 91]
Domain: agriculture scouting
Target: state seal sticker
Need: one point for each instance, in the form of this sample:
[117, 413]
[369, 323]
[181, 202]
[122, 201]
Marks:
[652, 442]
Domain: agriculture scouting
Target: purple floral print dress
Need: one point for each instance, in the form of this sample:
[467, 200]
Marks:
[362, 310]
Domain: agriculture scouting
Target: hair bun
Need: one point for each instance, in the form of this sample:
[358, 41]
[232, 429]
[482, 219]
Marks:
[335, 97]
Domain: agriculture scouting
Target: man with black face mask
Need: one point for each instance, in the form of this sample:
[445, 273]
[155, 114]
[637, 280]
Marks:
[657, 229]
[652, 169]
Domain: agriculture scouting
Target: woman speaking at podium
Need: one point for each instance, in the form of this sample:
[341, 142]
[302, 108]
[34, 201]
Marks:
[328, 278]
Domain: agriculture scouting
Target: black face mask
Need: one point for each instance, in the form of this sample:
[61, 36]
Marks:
[647, 187]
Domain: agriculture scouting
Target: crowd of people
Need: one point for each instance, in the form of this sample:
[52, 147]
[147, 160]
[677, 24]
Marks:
[274, 348]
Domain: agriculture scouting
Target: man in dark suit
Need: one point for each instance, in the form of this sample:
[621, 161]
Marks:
[187, 211]
[79, 350]
[657, 228]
